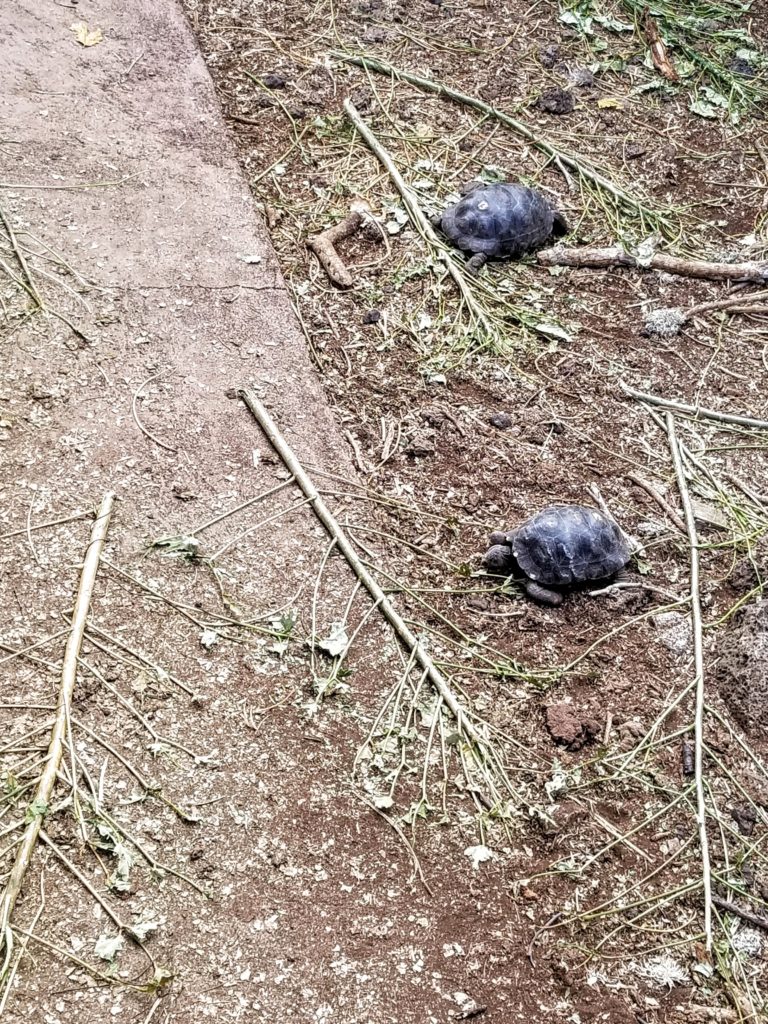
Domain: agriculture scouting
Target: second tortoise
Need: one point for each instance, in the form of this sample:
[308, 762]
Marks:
[562, 546]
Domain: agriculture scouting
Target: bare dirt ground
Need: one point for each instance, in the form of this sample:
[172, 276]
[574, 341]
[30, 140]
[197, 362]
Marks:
[259, 783]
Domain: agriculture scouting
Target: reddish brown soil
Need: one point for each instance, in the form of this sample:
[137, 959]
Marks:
[314, 909]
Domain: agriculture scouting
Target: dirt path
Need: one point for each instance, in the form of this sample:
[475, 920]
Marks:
[115, 159]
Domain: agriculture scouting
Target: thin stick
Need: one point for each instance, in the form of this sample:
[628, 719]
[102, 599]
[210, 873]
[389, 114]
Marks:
[698, 659]
[414, 210]
[577, 163]
[18, 253]
[695, 411]
[139, 424]
[616, 256]
[437, 679]
[725, 303]
[43, 526]
[756, 919]
[45, 786]
[660, 500]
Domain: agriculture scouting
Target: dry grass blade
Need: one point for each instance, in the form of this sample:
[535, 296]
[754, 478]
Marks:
[698, 655]
[44, 789]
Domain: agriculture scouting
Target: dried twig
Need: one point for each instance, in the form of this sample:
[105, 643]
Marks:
[44, 790]
[659, 55]
[576, 162]
[617, 256]
[324, 244]
[660, 500]
[415, 212]
[137, 421]
[695, 411]
[756, 919]
[343, 543]
[698, 660]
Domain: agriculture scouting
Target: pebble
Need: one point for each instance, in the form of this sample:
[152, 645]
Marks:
[502, 420]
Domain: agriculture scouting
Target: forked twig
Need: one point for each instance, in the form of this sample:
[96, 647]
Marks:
[323, 245]
[698, 660]
[44, 790]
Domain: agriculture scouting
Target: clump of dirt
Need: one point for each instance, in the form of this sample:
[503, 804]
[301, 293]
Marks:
[567, 726]
[742, 670]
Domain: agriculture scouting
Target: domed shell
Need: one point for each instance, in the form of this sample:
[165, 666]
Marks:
[567, 544]
[500, 220]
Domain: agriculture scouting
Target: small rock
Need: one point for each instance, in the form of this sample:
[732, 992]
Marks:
[664, 322]
[549, 55]
[501, 420]
[633, 150]
[745, 817]
[582, 78]
[372, 316]
[742, 669]
[556, 101]
[421, 443]
[434, 417]
[675, 632]
[742, 67]
[629, 732]
[273, 81]
[375, 34]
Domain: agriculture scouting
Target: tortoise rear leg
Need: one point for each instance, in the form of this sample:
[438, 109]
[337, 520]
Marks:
[477, 262]
[543, 594]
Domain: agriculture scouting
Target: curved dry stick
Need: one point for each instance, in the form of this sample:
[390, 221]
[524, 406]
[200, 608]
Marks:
[44, 790]
[137, 421]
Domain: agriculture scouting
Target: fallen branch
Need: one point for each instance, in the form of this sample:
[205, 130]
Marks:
[577, 163]
[659, 55]
[616, 256]
[736, 302]
[698, 661]
[324, 244]
[695, 411]
[344, 545]
[44, 791]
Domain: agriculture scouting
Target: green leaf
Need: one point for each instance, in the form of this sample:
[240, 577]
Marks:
[37, 809]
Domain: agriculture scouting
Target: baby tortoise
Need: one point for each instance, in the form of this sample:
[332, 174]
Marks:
[502, 221]
[559, 547]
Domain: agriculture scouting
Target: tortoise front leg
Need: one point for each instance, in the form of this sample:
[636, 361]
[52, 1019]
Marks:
[477, 262]
[543, 594]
